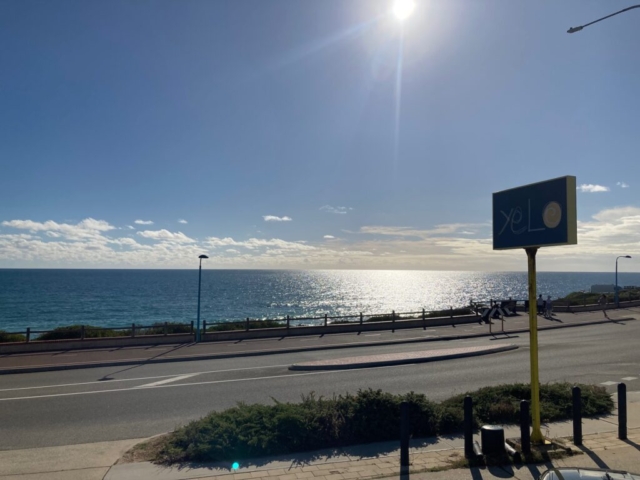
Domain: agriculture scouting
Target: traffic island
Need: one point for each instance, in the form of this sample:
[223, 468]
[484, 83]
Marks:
[389, 359]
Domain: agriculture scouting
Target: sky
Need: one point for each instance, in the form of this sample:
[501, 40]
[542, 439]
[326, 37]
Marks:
[311, 134]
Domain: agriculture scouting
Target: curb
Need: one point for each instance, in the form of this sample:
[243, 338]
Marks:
[402, 361]
[78, 366]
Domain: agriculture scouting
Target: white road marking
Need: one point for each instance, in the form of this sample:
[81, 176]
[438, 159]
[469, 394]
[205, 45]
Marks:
[628, 379]
[234, 380]
[168, 380]
[373, 335]
[608, 383]
[137, 379]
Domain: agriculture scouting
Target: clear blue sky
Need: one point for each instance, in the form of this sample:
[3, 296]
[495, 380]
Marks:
[222, 113]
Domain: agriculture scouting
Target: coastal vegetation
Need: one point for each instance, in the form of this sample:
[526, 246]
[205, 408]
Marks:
[588, 298]
[249, 431]
[6, 337]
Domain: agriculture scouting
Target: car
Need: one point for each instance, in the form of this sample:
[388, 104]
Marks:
[587, 474]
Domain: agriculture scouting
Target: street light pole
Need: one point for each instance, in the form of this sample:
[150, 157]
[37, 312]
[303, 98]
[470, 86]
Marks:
[199, 288]
[616, 296]
[577, 29]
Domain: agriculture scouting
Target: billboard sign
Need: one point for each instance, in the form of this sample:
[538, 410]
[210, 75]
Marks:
[536, 215]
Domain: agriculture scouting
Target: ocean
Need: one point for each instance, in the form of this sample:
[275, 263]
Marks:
[45, 299]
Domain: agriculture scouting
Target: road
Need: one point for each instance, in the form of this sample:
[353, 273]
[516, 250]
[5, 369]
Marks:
[99, 404]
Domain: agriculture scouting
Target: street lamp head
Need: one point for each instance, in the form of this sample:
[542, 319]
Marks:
[627, 256]
[203, 256]
[574, 29]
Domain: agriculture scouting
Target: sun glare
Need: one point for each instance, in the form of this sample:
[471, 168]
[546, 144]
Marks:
[403, 9]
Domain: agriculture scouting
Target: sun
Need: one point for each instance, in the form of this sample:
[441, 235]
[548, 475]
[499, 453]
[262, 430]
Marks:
[403, 9]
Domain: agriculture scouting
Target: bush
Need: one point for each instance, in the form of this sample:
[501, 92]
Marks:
[242, 325]
[501, 404]
[246, 431]
[172, 327]
[6, 337]
[75, 331]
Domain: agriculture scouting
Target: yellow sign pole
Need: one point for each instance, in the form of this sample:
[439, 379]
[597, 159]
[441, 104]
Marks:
[536, 433]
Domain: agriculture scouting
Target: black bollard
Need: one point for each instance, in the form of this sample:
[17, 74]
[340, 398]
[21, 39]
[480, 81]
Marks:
[525, 432]
[404, 434]
[468, 427]
[577, 416]
[622, 411]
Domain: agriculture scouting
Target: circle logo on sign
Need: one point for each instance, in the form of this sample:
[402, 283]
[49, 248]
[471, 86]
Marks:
[552, 214]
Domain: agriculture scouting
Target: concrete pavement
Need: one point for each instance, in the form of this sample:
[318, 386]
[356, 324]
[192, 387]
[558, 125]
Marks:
[601, 449]
[122, 356]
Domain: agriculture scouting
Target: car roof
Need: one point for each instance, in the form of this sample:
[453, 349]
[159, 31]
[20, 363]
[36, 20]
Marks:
[587, 474]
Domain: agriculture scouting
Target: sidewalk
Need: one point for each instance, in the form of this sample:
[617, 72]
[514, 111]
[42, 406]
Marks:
[118, 356]
[601, 449]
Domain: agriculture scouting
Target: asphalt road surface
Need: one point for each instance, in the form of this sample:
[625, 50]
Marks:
[100, 404]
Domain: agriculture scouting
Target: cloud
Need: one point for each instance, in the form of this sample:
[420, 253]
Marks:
[329, 237]
[144, 222]
[622, 185]
[273, 218]
[337, 210]
[590, 188]
[87, 228]
[130, 227]
[166, 235]
[182, 221]
[96, 244]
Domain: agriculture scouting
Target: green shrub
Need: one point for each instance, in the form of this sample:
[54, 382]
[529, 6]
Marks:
[242, 325]
[501, 404]
[247, 431]
[172, 327]
[75, 331]
[6, 337]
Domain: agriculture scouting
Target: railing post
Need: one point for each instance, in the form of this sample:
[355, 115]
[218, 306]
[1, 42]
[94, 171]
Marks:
[393, 316]
[28, 334]
[404, 434]
[325, 319]
[468, 427]
[82, 332]
[247, 325]
[204, 329]
[361, 318]
[525, 432]
[133, 330]
[622, 411]
[424, 319]
[450, 311]
[166, 329]
[577, 416]
[192, 327]
[287, 322]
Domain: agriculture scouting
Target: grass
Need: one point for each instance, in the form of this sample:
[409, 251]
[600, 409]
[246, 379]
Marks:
[249, 431]
[6, 337]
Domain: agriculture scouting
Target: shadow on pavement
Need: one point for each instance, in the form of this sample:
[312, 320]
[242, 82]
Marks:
[596, 459]
[535, 471]
[143, 363]
[633, 444]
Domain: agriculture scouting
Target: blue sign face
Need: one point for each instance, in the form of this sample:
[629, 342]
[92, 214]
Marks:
[536, 215]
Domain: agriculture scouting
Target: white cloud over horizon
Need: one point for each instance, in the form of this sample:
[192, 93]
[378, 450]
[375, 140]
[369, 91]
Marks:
[590, 188]
[273, 218]
[95, 243]
[144, 222]
[182, 221]
[622, 185]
